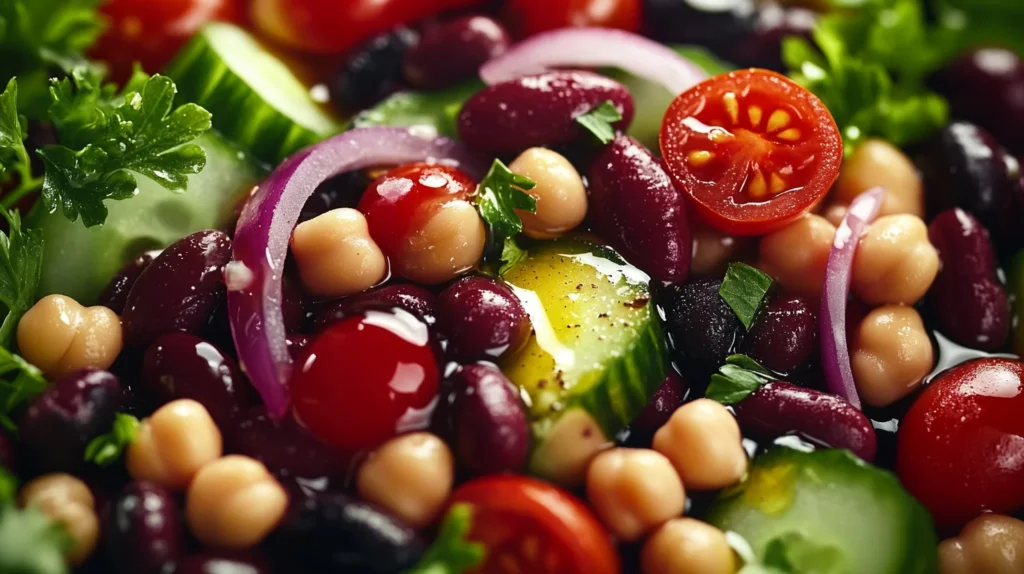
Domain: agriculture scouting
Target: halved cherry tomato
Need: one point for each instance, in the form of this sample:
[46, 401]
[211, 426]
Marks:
[528, 525]
[752, 149]
[528, 17]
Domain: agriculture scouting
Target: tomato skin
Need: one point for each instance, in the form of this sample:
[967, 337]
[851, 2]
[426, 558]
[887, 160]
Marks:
[771, 150]
[960, 448]
[335, 26]
[529, 17]
[510, 510]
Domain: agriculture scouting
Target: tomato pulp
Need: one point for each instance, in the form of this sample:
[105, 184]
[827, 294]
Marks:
[528, 17]
[752, 149]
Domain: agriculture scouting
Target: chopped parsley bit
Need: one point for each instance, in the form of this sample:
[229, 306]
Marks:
[30, 542]
[599, 120]
[501, 193]
[737, 378]
[451, 553]
[21, 256]
[105, 449]
[744, 289]
[511, 255]
[20, 382]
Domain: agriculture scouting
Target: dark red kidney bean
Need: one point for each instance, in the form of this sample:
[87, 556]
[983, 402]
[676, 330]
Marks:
[75, 409]
[967, 299]
[297, 343]
[538, 110]
[702, 329]
[142, 530]
[183, 366]
[412, 298]
[985, 86]
[115, 295]
[481, 319]
[7, 454]
[223, 562]
[180, 289]
[635, 207]
[669, 397]
[779, 408]
[453, 51]
[489, 421]
[785, 335]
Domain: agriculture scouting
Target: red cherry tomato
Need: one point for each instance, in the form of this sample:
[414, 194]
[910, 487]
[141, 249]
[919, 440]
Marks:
[752, 149]
[334, 26]
[151, 32]
[366, 378]
[528, 17]
[961, 446]
[528, 525]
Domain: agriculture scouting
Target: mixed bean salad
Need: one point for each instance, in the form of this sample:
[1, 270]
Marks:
[520, 287]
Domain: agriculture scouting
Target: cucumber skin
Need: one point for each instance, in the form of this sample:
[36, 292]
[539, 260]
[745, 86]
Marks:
[436, 109]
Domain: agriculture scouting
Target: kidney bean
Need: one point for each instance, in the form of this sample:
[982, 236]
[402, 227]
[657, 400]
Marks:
[453, 51]
[538, 110]
[779, 408]
[297, 343]
[180, 289]
[703, 330]
[60, 423]
[491, 431]
[115, 295]
[635, 206]
[412, 298]
[785, 335]
[967, 299]
[7, 453]
[669, 397]
[142, 531]
[985, 86]
[222, 562]
[481, 319]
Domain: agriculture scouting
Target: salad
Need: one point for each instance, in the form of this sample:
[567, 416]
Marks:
[520, 287]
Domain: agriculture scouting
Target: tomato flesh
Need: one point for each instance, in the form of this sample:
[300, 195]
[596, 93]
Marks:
[752, 149]
[528, 17]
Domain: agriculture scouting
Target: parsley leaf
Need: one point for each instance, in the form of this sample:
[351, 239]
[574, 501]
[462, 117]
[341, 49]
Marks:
[511, 255]
[107, 448]
[31, 543]
[451, 553]
[20, 382]
[21, 256]
[498, 197]
[736, 379]
[599, 120]
[744, 289]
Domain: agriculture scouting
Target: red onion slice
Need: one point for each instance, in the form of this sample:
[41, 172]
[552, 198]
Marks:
[595, 48]
[264, 229]
[835, 353]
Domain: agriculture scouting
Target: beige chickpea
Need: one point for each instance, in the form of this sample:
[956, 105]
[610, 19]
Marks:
[335, 254]
[703, 441]
[450, 243]
[67, 500]
[877, 163]
[60, 336]
[234, 502]
[989, 544]
[796, 255]
[172, 445]
[894, 261]
[712, 251]
[687, 546]
[890, 353]
[565, 454]
[634, 490]
[561, 197]
[410, 475]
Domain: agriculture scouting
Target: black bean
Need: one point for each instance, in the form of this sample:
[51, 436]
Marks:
[372, 72]
[703, 329]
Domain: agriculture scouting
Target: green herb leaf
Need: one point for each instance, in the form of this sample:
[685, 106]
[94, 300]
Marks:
[105, 449]
[599, 120]
[20, 382]
[8, 486]
[31, 543]
[13, 156]
[511, 255]
[737, 378]
[793, 552]
[451, 553]
[498, 196]
[21, 256]
[744, 289]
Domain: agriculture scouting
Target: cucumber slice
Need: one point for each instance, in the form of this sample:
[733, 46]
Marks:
[255, 99]
[597, 342]
[437, 110]
[80, 261]
[839, 505]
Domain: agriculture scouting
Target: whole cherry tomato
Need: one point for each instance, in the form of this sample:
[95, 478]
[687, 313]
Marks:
[528, 17]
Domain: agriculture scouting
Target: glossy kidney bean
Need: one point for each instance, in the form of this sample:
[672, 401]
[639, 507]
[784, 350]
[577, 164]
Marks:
[779, 408]
[489, 422]
[335, 533]
[453, 51]
[703, 330]
[223, 562]
[180, 289]
[142, 530]
[372, 71]
[785, 335]
[967, 299]
[635, 206]
[412, 298]
[115, 295]
[481, 319]
[538, 110]
[669, 397]
[7, 453]
[183, 366]
[985, 86]
[74, 410]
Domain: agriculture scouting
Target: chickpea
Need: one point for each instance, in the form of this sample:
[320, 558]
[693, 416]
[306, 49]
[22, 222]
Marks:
[703, 441]
[410, 475]
[573, 441]
[561, 197]
[335, 254]
[894, 261]
[796, 255]
[890, 354]
[835, 213]
[67, 500]
[449, 244]
[989, 544]
[234, 502]
[712, 251]
[60, 336]
[687, 546]
[634, 490]
[173, 444]
[877, 163]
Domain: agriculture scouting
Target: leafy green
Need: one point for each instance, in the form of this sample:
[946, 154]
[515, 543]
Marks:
[501, 193]
[512, 254]
[21, 256]
[20, 382]
[451, 553]
[8, 486]
[599, 120]
[744, 289]
[31, 543]
[105, 449]
[736, 379]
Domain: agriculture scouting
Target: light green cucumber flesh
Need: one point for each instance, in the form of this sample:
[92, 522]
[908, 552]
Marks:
[438, 110]
[255, 98]
[80, 261]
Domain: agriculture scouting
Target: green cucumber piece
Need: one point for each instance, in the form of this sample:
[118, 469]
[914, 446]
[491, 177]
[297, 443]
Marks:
[255, 99]
[597, 342]
[80, 261]
[437, 110]
[840, 505]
